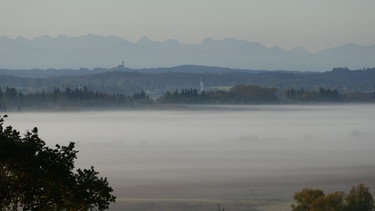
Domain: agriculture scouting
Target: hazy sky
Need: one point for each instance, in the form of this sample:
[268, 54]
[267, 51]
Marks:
[313, 24]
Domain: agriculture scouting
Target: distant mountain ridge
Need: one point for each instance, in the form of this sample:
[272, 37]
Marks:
[92, 51]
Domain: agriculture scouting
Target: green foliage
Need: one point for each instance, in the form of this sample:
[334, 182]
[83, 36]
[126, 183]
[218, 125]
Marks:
[358, 199]
[84, 98]
[252, 93]
[306, 199]
[34, 176]
[241, 94]
[323, 95]
[68, 99]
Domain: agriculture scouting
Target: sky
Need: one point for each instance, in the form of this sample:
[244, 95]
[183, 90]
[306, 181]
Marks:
[312, 24]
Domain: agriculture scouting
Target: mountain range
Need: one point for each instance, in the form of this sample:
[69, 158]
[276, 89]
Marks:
[93, 51]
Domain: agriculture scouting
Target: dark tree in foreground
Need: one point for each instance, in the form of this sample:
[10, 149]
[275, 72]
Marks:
[306, 199]
[358, 199]
[34, 176]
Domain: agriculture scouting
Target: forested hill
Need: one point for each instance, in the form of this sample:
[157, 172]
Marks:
[39, 73]
[157, 81]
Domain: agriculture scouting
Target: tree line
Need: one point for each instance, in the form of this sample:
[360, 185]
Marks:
[253, 94]
[241, 94]
[77, 98]
[85, 98]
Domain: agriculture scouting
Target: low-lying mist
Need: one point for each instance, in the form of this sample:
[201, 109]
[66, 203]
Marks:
[235, 152]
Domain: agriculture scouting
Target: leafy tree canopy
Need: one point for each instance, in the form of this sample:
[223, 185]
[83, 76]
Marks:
[358, 199]
[34, 176]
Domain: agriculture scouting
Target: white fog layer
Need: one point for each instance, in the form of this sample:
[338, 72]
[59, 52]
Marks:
[226, 153]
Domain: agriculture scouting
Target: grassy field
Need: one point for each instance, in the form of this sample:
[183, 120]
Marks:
[265, 193]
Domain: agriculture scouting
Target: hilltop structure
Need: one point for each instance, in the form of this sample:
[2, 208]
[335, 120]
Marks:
[201, 85]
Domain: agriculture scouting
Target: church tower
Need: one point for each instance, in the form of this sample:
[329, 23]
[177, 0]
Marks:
[201, 85]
